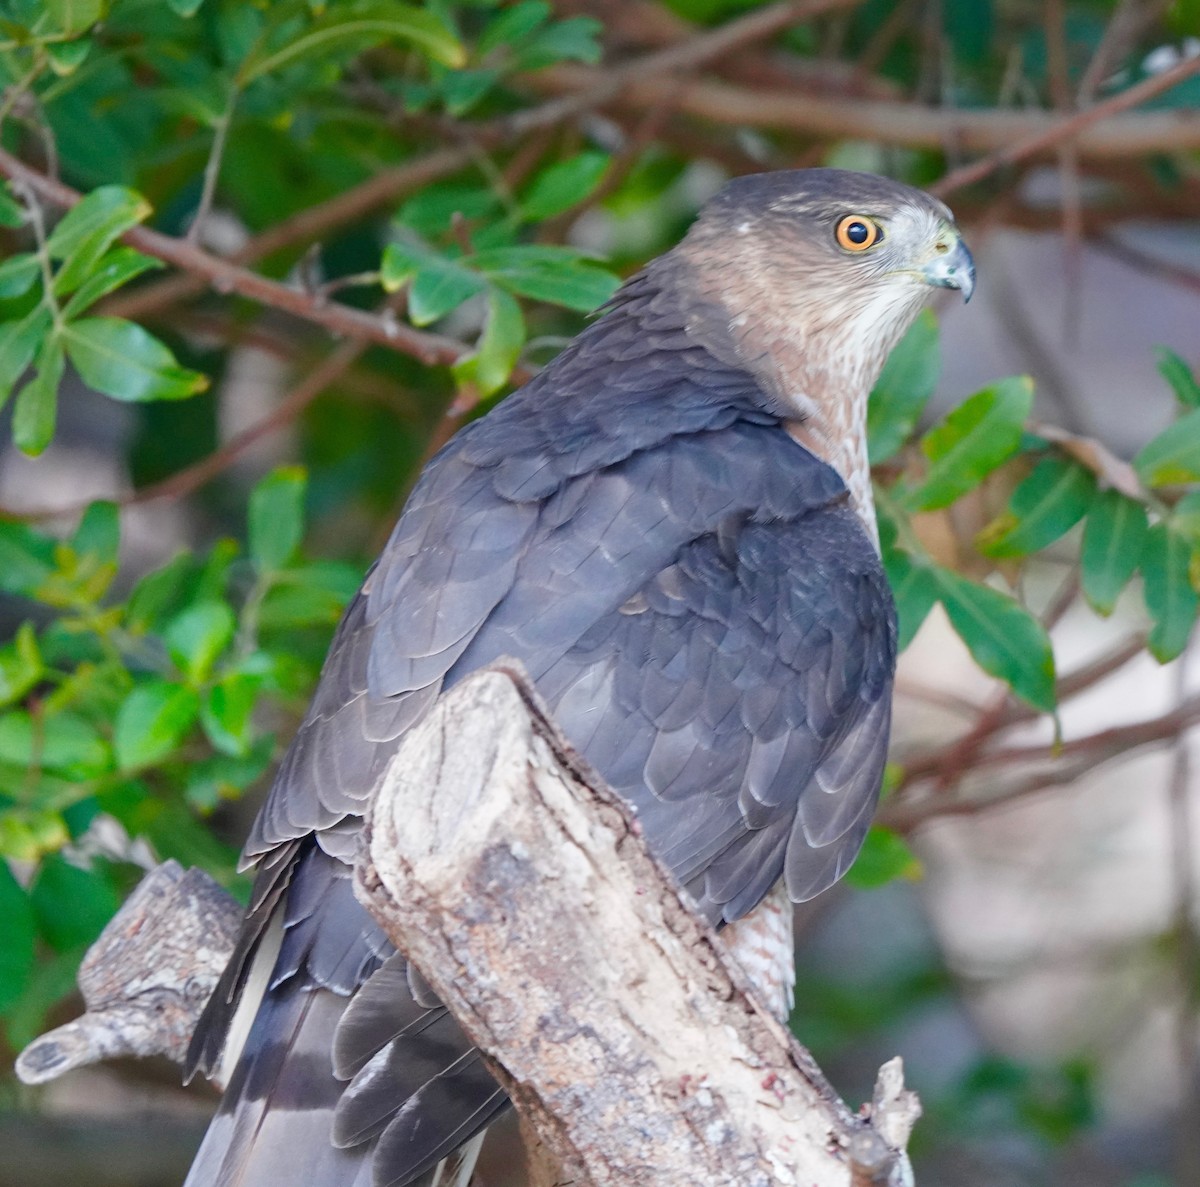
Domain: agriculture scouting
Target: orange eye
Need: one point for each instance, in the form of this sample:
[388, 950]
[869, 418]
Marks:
[856, 232]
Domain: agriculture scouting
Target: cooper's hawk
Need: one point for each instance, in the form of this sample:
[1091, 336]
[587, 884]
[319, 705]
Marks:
[672, 528]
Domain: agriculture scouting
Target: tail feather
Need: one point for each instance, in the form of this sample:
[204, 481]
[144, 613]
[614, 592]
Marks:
[466, 1092]
[274, 1123]
[376, 1089]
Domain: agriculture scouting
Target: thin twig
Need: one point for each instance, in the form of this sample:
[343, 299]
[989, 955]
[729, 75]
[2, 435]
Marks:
[1112, 245]
[184, 482]
[1115, 739]
[1187, 945]
[928, 763]
[304, 226]
[212, 171]
[1097, 131]
[1059, 767]
[937, 697]
[1128, 18]
[1055, 23]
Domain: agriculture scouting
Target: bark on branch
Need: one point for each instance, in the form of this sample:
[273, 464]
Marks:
[521, 887]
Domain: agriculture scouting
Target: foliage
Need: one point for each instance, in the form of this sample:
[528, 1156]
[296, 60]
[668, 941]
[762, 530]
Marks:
[143, 711]
[136, 707]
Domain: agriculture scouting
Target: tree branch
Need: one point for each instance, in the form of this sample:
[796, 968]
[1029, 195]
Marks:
[1100, 131]
[385, 330]
[146, 979]
[521, 888]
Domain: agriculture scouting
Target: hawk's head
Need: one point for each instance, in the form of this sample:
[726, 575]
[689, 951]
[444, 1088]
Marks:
[807, 279]
[823, 269]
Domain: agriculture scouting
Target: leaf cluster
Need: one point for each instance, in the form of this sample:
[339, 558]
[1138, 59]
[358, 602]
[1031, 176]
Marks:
[126, 718]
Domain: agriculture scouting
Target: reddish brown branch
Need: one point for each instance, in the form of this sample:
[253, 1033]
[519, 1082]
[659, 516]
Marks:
[303, 227]
[947, 764]
[1068, 762]
[1101, 130]
[386, 330]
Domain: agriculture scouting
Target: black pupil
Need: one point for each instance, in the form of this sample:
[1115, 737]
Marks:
[858, 232]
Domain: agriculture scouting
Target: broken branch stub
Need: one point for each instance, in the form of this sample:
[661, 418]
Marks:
[521, 888]
[147, 977]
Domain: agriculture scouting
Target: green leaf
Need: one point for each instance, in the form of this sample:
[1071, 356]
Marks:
[1170, 597]
[66, 57]
[564, 184]
[1113, 539]
[431, 212]
[1046, 505]
[26, 558]
[463, 89]
[1004, 639]
[18, 273]
[119, 266]
[175, 833]
[185, 8]
[276, 518]
[971, 442]
[512, 25]
[152, 721]
[904, 387]
[12, 212]
[439, 287]
[913, 584]
[74, 16]
[88, 229]
[26, 834]
[21, 665]
[1173, 457]
[573, 40]
[499, 345]
[557, 275]
[72, 905]
[36, 407]
[121, 360]
[19, 341]
[884, 857]
[914, 589]
[1179, 375]
[99, 532]
[357, 27]
[227, 776]
[227, 713]
[156, 592]
[401, 262]
[1185, 516]
[18, 934]
[54, 742]
[311, 595]
[197, 636]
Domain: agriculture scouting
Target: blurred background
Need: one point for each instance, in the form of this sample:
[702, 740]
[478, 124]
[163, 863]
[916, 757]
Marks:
[344, 228]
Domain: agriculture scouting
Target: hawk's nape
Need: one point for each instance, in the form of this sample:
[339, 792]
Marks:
[671, 528]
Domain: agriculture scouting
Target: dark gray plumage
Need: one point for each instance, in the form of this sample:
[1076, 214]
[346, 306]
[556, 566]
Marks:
[704, 612]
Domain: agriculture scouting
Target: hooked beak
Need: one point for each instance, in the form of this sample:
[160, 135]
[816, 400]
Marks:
[953, 268]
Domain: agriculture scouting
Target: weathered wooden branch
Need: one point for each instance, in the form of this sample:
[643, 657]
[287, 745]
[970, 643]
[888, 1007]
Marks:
[521, 887]
[146, 979]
